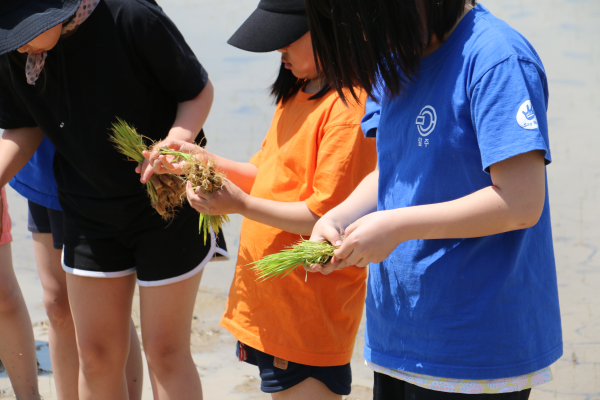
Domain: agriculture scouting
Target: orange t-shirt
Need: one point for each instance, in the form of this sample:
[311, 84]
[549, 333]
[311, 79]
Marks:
[315, 152]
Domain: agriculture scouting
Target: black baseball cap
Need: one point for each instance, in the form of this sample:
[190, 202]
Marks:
[21, 21]
[272, 26]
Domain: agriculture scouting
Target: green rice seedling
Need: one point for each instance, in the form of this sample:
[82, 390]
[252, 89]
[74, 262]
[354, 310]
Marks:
[302, 253]
[203, 174]
[165, 191]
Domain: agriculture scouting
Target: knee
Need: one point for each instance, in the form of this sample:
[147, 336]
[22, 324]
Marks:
[165, 357]
[11, 299]
[101, 358]
[58, 311]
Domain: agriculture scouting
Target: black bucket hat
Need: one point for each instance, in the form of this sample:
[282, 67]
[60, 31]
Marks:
[21, 21]
[273, 25]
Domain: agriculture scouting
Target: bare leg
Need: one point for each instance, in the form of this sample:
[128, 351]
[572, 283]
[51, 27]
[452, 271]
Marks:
[309, 388]
[17, 346]
[134, 369]
[166, 314]
[102, 312]
[63, 347]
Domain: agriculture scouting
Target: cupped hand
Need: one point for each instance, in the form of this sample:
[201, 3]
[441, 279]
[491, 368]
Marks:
[370, 239]
[230, 199]
[160, 164]
[326, 229]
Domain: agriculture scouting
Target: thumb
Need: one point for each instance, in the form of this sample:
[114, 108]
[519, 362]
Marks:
[347, 247]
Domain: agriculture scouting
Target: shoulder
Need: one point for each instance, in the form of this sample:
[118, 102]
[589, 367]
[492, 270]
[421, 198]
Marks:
[493, 42]
[135, 12]
[349, 112]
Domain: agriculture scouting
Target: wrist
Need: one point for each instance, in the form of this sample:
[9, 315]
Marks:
[401, 231]
[179, 133]
[245, 203]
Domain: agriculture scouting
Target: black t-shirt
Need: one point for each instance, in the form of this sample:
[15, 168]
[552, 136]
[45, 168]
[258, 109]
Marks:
[127, 60]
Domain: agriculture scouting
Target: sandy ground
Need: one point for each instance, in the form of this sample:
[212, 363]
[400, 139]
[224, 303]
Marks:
[566, 34]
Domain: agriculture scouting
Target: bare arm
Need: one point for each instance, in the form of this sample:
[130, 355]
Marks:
[514, 201]
[293, 217]
[16, 148]
[192, 114]
[242, 174]
[361, 202]
[190, 118]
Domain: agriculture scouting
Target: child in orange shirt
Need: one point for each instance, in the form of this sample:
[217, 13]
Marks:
[300, 334]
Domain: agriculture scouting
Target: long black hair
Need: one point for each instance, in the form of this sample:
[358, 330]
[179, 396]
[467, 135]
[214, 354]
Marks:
[287, 85]
[360, 41]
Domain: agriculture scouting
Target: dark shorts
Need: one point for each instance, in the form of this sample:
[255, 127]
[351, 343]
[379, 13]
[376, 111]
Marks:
[160, 255]
[386, 387]
[273, 379]
[46, 220]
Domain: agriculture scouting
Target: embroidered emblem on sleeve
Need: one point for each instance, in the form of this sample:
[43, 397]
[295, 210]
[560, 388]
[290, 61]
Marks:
[526, 116]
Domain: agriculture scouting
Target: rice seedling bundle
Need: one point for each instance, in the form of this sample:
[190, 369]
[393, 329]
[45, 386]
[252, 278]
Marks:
[302, 253]
[203, 174]
[165, 191]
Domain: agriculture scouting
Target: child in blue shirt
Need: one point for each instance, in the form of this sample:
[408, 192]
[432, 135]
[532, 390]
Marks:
[462, 294]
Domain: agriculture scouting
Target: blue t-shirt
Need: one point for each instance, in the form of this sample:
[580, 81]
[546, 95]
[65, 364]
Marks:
[480, 308]
[36, 180]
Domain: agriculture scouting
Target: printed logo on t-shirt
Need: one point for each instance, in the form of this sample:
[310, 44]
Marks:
[426, 121]
[526, 116]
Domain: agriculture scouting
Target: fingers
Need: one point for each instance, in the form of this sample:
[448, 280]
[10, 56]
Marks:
[164, 164]
[198, 200]
[326, 231]
[351, 228]
[332, 265]
[180, 145]
[146, 171]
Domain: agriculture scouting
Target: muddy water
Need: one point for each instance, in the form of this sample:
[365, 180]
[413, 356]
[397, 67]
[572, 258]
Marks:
[566, 34]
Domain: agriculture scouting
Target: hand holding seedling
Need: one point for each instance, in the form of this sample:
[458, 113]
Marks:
[169, 164]
[155, 163]
[370, 239]
[228, 200]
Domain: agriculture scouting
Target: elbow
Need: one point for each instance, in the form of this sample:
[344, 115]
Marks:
[529, 214]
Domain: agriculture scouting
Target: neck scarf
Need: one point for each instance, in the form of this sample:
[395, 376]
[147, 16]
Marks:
[35, 62]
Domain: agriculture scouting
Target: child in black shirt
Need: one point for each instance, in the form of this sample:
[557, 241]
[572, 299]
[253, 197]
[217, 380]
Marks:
[68, 76]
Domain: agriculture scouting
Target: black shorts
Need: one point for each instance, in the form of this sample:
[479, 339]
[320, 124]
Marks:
[273, 379]
[386, 387]
[160, 255]
[46, 220]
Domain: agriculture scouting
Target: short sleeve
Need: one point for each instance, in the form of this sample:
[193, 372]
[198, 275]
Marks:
[344, 158]
[370, 122]
[13, 112]
[255, 160]
[508, 111]
[163, 50]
